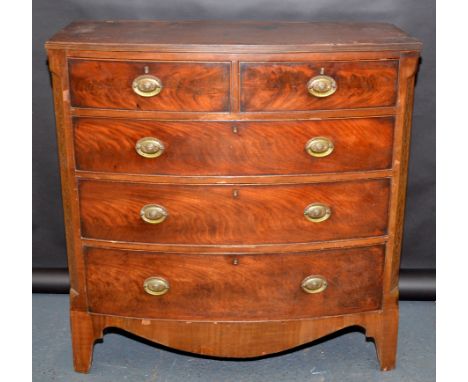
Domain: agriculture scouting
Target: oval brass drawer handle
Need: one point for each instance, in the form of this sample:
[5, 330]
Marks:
[153, 213]
[314, 284]
[317, 212]
[321, 85]
[319, 147]
[156, 286]
[147, 85]
[149, 147]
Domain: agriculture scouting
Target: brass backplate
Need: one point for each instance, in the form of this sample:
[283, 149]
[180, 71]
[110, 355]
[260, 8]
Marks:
[314, 284]
[149, 147]
[319, 147]
[147, 85]
[156, 286]
[153, 213]
[321, 86]
[317, 212]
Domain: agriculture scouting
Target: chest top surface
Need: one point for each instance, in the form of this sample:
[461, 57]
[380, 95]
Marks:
[231, 36]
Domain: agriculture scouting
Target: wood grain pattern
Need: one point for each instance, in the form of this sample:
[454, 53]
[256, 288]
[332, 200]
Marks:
[408, 66]
[235, 116]
[213, 215]
[57, 65]
[186, 86]
[283, 86]
[211, 287]
[238, 249]
[283, 56]
[254, 75]
[83, 338]
[242, 339]
[231, 36]
[385, 334]
[235, 180]
[214, 148]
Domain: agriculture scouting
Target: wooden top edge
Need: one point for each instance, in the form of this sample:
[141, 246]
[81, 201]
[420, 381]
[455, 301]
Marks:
[230, 36]
[232, 48]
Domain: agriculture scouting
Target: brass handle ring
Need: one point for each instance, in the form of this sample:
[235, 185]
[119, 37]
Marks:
[314, 284]
[321, 85]
[147, 85]
[317, 212]
[153, 213]
[149, 147]
[156, 286]
[319, 147]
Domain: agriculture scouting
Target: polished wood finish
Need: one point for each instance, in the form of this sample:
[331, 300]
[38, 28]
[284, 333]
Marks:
[83, 338]
[230, 36]
[234, 287]
[236, 116]
[216, 56]
[259, 179]
[283, 86]
[238, 249]
[233, 215]
[233, 148]
[235, 196]
[408, 67]
[186, 86]
[57, 64]
[241, 339]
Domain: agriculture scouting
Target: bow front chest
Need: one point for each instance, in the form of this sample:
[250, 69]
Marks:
[233, 189]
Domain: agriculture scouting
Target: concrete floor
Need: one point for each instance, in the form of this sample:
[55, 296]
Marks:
[345, 357]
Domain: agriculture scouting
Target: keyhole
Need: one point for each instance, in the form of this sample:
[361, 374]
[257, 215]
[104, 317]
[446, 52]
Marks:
[235, 261]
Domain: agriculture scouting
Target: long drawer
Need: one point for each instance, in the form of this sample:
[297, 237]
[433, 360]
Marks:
[234, 287]
[233, 148]
[232, 214]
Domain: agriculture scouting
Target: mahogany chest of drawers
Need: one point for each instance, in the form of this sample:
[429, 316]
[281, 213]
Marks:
[233, 189]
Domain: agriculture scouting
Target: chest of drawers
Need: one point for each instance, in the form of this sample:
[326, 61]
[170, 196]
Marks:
[233, 189]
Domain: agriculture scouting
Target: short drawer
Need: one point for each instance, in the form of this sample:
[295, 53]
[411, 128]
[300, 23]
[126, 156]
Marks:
[233, 148]
[230, 214]
[234, 287]
[302, 86]
[139, 85]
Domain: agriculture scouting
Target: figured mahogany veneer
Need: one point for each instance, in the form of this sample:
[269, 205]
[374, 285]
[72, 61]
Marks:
[233, 148]
[234, 116]
[186, 86]
[283, 86]
[233, 215]
[234, 287]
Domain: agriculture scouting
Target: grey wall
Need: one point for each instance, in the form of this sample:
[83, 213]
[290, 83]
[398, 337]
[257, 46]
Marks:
[417, 17]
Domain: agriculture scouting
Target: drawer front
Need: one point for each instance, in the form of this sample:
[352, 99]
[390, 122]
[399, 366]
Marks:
[234, 287]
[233, 148]
[193, 86]
[284, 86]
[233, 214]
